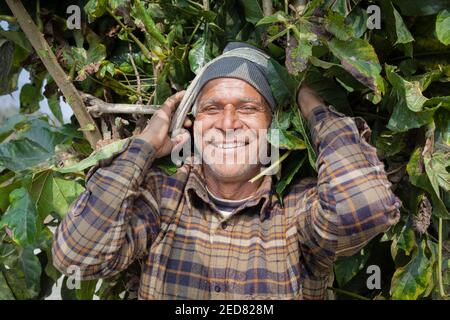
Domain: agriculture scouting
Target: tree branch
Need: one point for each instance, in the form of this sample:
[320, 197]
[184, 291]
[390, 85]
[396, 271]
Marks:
[97, 107]
[267, 7]
[45, 53]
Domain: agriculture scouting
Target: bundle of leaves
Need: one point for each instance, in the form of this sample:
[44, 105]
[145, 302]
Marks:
[389, 67]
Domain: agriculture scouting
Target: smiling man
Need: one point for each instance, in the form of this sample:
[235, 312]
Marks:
[206, 232]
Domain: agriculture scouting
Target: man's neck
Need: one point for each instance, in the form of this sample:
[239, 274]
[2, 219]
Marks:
[230, 189]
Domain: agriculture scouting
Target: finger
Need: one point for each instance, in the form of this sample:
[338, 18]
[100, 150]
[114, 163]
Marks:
[172, 102]
[187, 123]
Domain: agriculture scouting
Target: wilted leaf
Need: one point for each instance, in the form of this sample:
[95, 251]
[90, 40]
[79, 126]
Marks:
[358, 57]
[410, 281]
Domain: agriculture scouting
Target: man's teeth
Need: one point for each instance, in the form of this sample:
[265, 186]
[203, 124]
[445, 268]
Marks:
[229, 145]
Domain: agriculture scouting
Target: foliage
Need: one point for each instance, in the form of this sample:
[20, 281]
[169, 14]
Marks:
[396, 78]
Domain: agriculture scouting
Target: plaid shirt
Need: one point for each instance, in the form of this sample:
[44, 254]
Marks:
[264, 250]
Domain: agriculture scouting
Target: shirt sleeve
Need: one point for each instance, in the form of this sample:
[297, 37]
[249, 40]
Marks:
[352, 202]
[114, 220]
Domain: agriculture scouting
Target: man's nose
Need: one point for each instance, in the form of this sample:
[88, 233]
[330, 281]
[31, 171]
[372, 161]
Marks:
[229, 119]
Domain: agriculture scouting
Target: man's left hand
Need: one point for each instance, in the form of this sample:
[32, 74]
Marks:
[308, 100]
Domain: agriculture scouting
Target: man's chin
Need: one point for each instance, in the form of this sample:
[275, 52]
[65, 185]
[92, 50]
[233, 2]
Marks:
[233, 171]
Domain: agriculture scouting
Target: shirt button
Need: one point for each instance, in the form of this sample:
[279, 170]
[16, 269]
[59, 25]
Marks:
[217, 289]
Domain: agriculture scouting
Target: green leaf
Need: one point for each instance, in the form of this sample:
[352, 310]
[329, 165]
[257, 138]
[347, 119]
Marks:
[346, 268]
[443, 27]
[33, 145]
[95, 9]
[23, 274]
[436, 169]
[21, 217]
[10, 125]
[419, 178]
[144, 15]
[55, 108]
[30, 96]
[411, 281]
[410, 92]
[100, 154]
[281, 82]
[52, 193]
[300, 125]
[390, 142]
[358, 57]
[5, 189]
[200, 54]
[403, 119]
[358, 21]
[17, 37]
[87, 290]
[253, 10]
[278, 16]
[289, 169]
[419, 7]
[279, 135]
[6, 62]
[406, 241]
[5, 291]
[397, 30]
[336, 25]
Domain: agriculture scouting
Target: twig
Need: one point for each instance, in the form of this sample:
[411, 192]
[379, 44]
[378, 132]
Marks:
[267, 7]
[45, 53]
[138, 77]
[206, 5]
[348, 293]
[97, 107]
[268, 169]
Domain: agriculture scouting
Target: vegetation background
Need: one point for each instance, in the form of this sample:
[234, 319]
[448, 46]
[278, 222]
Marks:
[139, 52]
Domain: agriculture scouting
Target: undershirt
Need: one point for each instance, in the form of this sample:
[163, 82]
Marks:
[225, 206]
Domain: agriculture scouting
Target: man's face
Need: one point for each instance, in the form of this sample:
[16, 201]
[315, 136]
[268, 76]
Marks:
[227, 127]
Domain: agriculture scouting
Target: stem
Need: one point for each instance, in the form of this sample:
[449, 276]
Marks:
[267, 7]
[50, 62]
[206, 5]
[441, 284]
[276, 163]
[348, 293]
[138, 77]
[8, 19]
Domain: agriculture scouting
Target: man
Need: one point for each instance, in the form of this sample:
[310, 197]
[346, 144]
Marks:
[206, 232]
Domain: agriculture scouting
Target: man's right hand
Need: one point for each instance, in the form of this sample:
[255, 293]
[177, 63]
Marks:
[156, 133]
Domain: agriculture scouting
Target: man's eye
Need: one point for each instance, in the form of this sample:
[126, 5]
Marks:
[210, 109]
[248, 109]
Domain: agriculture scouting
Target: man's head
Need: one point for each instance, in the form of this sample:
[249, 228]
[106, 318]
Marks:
[227, 129]
[233, 110]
